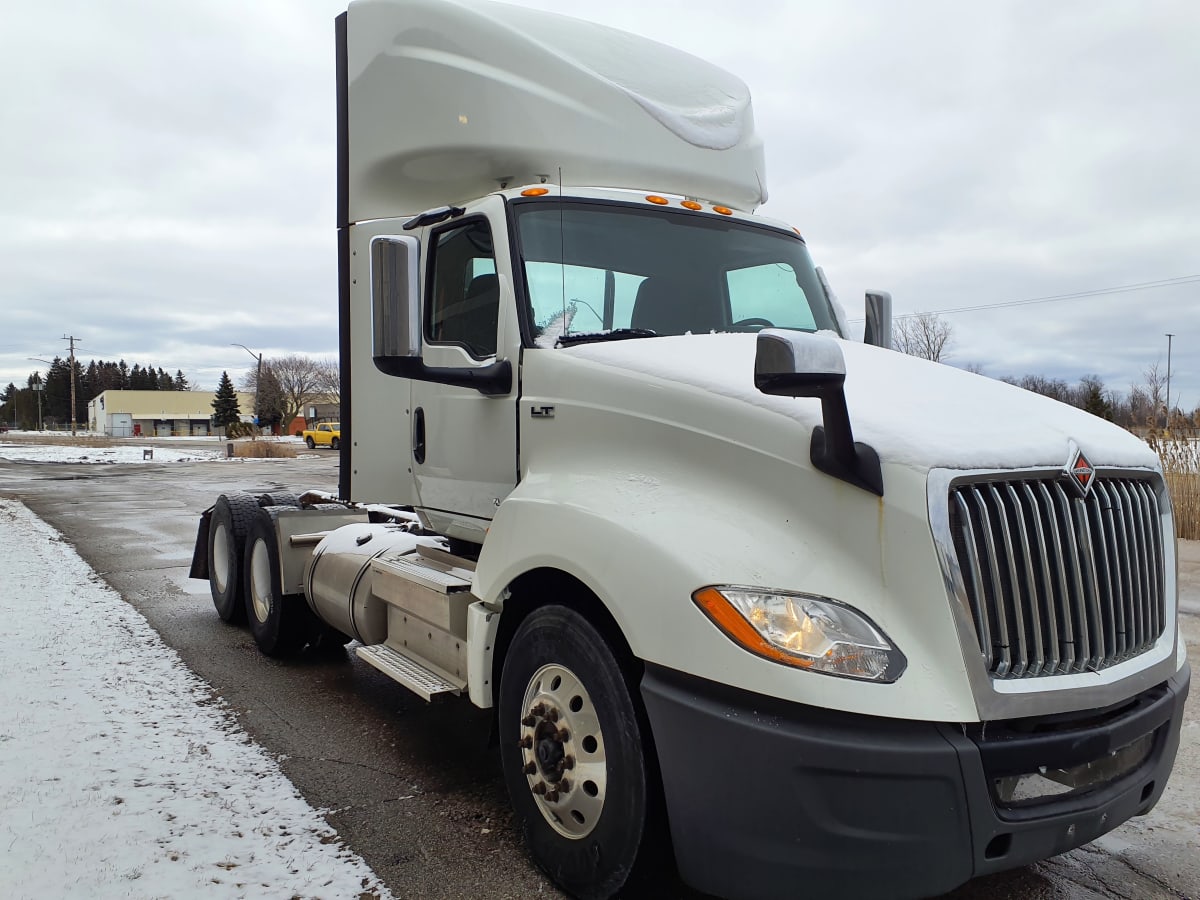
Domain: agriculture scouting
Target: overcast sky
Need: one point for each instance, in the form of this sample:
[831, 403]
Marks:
[167, 171]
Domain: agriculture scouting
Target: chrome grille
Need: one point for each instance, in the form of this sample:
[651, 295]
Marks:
[1059, 583]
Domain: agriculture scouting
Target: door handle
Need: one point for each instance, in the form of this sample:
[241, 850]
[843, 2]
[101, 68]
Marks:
[419, 436]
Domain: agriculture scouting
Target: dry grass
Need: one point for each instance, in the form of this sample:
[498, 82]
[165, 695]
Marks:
[1180, 455]
[263, 450]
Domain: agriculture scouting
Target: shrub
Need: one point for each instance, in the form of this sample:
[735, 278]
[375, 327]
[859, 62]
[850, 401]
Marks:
[1180, 457]
[263, 450]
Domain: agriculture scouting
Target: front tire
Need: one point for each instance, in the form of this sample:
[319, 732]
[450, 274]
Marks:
[310, 443]
[335, 443]
[572, 749]
[231, 518]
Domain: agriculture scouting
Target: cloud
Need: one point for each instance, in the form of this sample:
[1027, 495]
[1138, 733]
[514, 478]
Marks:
[167, 170]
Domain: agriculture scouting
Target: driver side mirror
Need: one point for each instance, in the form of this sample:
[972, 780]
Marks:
[799, 364]
[396, 323]
[395, 298]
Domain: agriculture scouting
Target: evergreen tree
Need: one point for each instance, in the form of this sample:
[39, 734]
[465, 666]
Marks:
[181, 383]
[225, 404]
[165, 381]
[56, 397]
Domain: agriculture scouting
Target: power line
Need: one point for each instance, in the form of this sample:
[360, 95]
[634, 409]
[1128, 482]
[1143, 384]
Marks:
[1058, 298]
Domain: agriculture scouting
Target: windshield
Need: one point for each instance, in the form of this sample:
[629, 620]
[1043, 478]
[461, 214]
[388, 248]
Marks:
[592, 268]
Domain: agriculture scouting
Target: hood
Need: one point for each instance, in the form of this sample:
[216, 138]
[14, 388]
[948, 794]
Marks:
[913, 412]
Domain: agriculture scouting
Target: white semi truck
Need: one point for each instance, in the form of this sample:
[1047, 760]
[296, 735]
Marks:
[803, 609]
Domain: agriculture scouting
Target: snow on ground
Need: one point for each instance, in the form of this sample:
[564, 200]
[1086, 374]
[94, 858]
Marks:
[90, 454]
[120, 775]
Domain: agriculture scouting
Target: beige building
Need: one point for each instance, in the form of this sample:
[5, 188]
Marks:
[158, 413]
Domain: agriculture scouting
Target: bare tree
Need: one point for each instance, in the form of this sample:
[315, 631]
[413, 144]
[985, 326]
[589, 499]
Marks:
[289, 384]
[926, 335]
[1156, 393]
[1054, 388]
[329, 379]
[1141, 407]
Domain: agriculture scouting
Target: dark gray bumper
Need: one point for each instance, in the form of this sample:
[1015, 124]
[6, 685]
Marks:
[774, 799]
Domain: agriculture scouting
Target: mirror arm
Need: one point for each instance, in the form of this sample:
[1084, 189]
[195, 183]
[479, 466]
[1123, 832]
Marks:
[492, 381]
[835, 452]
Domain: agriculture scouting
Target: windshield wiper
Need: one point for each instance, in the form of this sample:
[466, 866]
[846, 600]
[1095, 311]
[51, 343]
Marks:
[595, 337]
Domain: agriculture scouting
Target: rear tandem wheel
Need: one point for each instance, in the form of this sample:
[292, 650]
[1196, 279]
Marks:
[231, 517]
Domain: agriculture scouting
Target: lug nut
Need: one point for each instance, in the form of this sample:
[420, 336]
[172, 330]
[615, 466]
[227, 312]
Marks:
[539, 788]
[530, 768]
[527, 742]
[563, 786]
[551, 796]
[563, 735]
[529, 721]
[568, 761]
[552, 714]
[539, 710]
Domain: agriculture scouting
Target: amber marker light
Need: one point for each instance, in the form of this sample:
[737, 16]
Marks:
[723, 210]
[734, 624]
[691, 204]
[535, 192]
[660, 201]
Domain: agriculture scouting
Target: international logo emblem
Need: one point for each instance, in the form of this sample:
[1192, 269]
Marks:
[1079, 471]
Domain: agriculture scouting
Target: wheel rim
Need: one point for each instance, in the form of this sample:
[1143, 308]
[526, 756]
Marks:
[260, 580]
[221, 558]
[562, 751]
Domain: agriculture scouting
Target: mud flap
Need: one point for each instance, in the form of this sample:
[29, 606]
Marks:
[199, 567]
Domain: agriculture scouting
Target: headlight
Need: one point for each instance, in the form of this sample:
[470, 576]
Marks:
[807, 632]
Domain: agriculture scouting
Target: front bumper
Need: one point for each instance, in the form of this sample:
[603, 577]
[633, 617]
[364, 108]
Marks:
[772, 799]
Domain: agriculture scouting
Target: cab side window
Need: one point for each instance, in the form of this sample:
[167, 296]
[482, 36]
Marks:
[464, 301]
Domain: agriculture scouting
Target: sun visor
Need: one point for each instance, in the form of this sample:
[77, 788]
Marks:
[450, 99]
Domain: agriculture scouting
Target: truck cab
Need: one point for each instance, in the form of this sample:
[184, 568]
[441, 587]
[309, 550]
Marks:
[723, 573]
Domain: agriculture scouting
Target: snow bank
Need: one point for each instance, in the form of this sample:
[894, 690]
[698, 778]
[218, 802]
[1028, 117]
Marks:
[102, 455]
[119, 775]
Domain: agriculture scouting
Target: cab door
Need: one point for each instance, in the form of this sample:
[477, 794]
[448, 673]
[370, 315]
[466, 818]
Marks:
[464, 443]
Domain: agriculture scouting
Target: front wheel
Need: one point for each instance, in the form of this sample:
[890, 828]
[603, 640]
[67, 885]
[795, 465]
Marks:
[335, 443]
[572, 751]
[311, 444]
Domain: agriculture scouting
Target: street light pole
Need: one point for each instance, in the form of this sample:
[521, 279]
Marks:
[1167, 426]
[257, 380]
[39, 385]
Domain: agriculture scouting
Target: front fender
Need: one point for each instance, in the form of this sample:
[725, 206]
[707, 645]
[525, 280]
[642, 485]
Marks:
[644, 544]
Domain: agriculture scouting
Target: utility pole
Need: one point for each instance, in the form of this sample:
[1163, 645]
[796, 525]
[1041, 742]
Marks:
[72, 339]
[1167, 426]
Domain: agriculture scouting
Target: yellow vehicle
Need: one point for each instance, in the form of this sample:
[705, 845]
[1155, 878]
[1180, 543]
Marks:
[327, 434]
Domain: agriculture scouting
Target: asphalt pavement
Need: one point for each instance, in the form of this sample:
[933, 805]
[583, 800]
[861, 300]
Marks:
[416, 788]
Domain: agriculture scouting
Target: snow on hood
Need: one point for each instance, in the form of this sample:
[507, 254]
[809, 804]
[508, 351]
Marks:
[913, 412]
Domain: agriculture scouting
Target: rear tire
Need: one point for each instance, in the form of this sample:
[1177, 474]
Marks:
[231, 517]
[279, 498]
[572, 748]
[281, 623]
